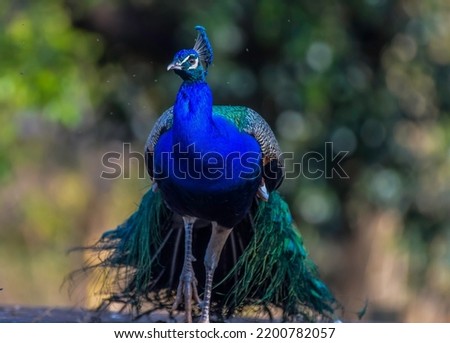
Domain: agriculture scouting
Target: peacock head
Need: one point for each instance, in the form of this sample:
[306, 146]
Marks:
[186, 63]
[192, 64]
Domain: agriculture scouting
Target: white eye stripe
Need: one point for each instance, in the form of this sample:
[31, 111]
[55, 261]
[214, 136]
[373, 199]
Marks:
[195, 65]
[187, 57]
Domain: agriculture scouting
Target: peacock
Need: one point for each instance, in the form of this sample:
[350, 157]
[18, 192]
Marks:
[215, 171]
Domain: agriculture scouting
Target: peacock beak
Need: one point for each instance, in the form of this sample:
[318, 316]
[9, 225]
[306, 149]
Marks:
[174, 66]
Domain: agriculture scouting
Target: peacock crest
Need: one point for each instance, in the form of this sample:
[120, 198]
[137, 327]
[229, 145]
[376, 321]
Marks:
[203, 47]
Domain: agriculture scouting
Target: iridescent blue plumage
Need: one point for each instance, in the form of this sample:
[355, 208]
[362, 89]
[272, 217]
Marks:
[214, 167]
[206, 167]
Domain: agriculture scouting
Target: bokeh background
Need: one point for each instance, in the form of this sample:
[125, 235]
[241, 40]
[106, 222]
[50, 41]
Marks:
[80, 78]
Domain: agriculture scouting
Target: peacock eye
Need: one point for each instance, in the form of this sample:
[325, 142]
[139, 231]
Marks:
[191, 61]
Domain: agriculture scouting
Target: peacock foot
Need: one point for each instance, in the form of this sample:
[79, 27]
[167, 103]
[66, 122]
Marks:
[186, 292]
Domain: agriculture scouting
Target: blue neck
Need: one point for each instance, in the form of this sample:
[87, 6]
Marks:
[192, 112]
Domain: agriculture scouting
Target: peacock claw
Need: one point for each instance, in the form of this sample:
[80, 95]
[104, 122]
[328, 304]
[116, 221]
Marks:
[187, 291]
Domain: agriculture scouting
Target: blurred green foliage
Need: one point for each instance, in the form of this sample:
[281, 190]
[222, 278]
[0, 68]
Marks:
[373, 77]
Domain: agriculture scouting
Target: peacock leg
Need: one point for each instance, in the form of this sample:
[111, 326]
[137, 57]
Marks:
[218, 238]
[187, 287]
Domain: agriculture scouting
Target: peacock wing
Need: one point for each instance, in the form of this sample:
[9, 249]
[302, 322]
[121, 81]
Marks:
[163, 124]
[249, 121]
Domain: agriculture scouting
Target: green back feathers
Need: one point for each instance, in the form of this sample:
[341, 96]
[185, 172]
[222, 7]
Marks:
[238, 115]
